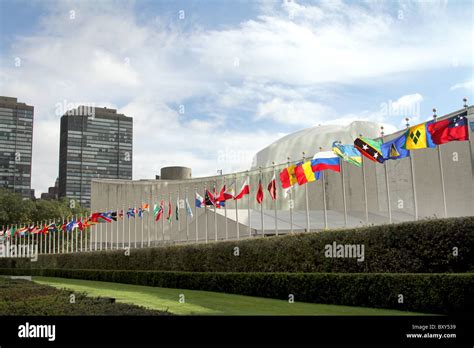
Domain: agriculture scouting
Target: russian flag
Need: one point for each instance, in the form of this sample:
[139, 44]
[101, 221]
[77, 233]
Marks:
[326, 160]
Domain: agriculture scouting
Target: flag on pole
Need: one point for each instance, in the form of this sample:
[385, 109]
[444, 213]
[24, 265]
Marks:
[189, 211]
[146, 207]
[418, 137]
[199, 201]
[394, 149]
[348, 153]
[288, 177]
[325, 160]
[177, 210]
[272, 188]
[71, 225]
[170, 211]
[131, 212]
[370, 148]
[245, 190]
[304, 173]
[452, 129]
[209, 198]
[159, 211]
[107, 217]
[260, 192]
[226, 193]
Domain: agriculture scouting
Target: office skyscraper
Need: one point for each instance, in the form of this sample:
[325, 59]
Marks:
[94, 143]
[16, 136]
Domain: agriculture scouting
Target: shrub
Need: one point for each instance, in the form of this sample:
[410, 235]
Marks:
[428, 293]
[413, 247]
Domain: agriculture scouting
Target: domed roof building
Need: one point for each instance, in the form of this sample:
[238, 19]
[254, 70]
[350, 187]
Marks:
[311, 139]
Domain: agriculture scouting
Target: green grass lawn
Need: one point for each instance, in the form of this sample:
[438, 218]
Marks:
[205, 302]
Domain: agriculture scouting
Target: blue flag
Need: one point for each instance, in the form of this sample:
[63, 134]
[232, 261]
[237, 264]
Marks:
[394, 149]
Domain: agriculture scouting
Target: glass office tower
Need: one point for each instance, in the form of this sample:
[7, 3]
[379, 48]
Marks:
[16, 136]
[94, 143]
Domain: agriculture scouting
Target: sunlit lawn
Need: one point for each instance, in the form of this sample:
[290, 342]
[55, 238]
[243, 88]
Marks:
[205, 302]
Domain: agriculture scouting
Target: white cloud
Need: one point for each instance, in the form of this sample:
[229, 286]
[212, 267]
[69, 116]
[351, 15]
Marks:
[469, 85]
[300, 113]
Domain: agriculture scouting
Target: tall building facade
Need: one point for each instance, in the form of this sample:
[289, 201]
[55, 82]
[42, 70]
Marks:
[94, 143]
[16, 138]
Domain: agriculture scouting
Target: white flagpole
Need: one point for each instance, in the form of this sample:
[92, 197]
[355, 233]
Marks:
[412, 169]
[135, 226]
[75, 229]
[325, 209]
[101, 235]
[39, 237]
[248, 205]
[365, 190]
[177, 214]
[290, 195]
[343, 192]
[86, 231]
[49, 238]
[106, 246]
[205, 207]
[237, 212]
[275, 200]
[186, 208]
[129, 230]
[307, 201]
[224, 182]
[150, 217]
[215, 211]
[82, 231]
[141, 223]
[123, 226]
[389, 205]
[163, 221]
[96, 239]
[54, 239]
[170, 221]
[196, 214]
[261, 204]
[441, 172]
[117, 219]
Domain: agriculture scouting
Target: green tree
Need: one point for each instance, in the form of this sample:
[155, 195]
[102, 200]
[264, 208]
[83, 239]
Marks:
[16, 210]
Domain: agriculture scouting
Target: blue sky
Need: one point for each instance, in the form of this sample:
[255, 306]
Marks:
[209, 83]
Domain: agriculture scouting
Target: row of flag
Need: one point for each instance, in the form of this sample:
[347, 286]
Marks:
[46, 228]
[425, 135]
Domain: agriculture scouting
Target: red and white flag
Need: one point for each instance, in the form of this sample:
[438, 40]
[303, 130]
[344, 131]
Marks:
[260, 192]
[226, 193]
[245, 190]
[272, 188]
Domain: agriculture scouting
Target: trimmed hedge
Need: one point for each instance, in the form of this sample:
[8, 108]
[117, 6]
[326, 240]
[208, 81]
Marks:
[413, 247]
[426, 293]
[25, 298]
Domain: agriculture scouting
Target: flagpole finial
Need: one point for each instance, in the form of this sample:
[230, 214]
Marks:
[465, 101]
[434, 113]
[407, 120]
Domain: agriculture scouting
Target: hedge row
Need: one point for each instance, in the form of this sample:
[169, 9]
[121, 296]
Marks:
[415, 247]
[426, 293]
[25, 298]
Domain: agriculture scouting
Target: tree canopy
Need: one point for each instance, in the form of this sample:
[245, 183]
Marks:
[16, 210]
